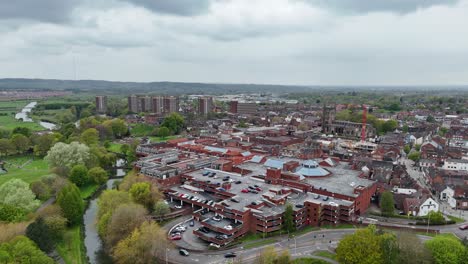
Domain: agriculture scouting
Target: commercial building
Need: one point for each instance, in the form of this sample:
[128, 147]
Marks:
[237, 107]
[101, 104]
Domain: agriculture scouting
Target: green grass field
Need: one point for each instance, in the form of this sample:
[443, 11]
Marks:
[160, 139]
[115, 147]
[71, 248]
[259, 243]
[141, 130]
[88, 190]
[326, 254]
[9, 122]
[26, 168]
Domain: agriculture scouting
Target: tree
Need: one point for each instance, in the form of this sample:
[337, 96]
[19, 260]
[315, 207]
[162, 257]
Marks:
[98, 175]
[405, 128]
[362, 247]
[446, 250]
[267, 256]
[442, 131]
[22, 130]
[16, 193]
[90, 137]
[174, 122]
[20, 142]
[387, 204]
[163, 132]
[119, 128]
[107, 203]
[389, 246]
[146, 244]
[141, 193]
[69, 199]
[411, 250]
[79, 175]
[161, 208]
[9, 213]
[21, 250]
[40, 233]
[430, 119]
[407, 149]
[6, 147]
[289, 225]
[123, 221]
[436, 218]
[414, 156]
[124, 148]
[389, 125]
[65, 156]
[43, 144]
[41, 190]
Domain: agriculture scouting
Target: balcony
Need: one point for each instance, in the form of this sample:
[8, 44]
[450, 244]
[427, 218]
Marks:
[211, 237]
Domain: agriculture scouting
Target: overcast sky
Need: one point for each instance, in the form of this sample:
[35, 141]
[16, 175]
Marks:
[322, 42]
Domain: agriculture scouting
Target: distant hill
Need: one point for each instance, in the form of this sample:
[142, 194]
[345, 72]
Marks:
[148, 87]
[111, 87]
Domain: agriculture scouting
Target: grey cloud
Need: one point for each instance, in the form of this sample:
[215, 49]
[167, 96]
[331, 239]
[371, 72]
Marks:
[54, 11]
[366, 6]
[175, 7]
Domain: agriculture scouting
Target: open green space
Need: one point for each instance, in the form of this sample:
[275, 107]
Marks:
[71, 248]
[456, 219]
[9, 122]
[115, 147]
[141, 130]
[88, 190]
[326, 254]
[26, 168]
[161, 139]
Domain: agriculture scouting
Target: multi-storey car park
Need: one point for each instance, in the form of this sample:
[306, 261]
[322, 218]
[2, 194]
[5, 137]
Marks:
[230, 199]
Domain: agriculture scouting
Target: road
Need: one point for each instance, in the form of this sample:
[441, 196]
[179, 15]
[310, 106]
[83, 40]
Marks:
[414, 172]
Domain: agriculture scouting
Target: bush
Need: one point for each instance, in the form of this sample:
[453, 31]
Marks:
[10, 213]
[69, 199]
[98, 175]
[40, 233]
[41, 190]
[79, 175]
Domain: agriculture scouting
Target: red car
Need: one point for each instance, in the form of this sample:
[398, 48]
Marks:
[245, 191]
[176, 237]
[463, 227]
[258, 189]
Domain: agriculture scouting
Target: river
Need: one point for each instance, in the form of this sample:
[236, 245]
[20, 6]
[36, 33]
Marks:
[92, 240]
[24, 115]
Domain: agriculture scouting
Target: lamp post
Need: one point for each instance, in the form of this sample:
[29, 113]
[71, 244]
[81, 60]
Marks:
[428, 221]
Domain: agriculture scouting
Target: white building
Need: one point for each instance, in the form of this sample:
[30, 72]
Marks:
[456, 164]
[447, 195]
[428, 206]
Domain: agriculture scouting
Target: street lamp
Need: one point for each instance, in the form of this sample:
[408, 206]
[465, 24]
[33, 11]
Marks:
[428, 221]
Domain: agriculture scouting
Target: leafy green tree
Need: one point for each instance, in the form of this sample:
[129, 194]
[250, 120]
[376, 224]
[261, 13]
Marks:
[362, 247]
[98, 175]
[20, 142]
[119, 128]
[174, 122]
[41, 190]
[9, 213]
[267, 256]
[446, 250]
[108, 201]
[387, 204]
[43, 144]
[405, 128]
[414, 156]
[40, 233]
[145, 244]
[389, 126]
[411, 250]
[22, 250]
[163, 132]
[65, 156]
[79, 175]
[407, 149]
[69, 200]
[436, 218]
[16, 193]
[289, 225]
[430, 119]
[22, 130]
[161, 208]
[442, 131]
[6, 147]
[389, 246]
[90, 137]
[141, 193]
[124, 148]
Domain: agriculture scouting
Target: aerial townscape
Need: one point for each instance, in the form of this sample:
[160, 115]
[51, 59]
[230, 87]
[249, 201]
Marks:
[234, 131]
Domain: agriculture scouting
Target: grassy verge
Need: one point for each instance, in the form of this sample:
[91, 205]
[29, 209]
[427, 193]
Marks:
[304, 230]
[27, 168]
[160, 139]
[340, 226]
[309, 261]
[71, 248]
[141, 130]
[88, 190]
[259, 243]
[326, 254]
[456, 219]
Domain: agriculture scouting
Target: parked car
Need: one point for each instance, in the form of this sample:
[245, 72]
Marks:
[255, 185]
[238, 182]
[216, 218]
[463, 227]
[228, 227]
[192, 223]
[251, 188]
[235, 200]
[215, 245]
[206, 173]
[204, 229]
[258, 189]
[211, 175]
[176, 237]
[230, 255]
[254, 191]
[244, 190]
[299, 206]
[183, 252]
[178, 206]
